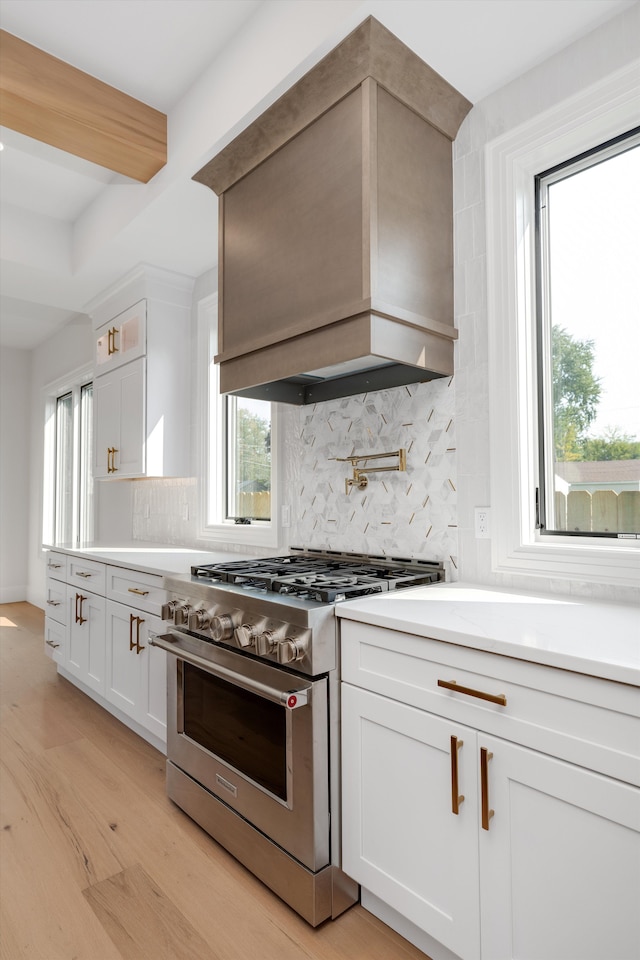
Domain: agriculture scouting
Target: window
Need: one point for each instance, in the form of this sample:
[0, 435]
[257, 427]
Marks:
[588, 319]
[603, 113]
[68, 488]
[239, 492]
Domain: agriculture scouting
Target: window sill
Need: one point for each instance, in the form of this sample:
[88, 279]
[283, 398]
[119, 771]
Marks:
[250, 534]
[618, 565]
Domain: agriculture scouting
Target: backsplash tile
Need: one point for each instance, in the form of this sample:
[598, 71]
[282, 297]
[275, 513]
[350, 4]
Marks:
[410, 514]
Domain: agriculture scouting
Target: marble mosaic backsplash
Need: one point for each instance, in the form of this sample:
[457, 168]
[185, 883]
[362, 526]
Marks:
[402, 514]
[399, 514]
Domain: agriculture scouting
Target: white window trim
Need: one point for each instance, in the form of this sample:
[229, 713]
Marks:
[596, 115]
[258, 533]
[70, 383]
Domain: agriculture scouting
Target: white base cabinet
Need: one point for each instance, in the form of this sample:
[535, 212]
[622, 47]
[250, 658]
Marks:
[102, 644]
[493, 849]
[136, 671]
[85, 656]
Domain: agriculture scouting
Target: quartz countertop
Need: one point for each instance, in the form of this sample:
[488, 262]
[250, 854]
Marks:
[158, 558]
[590, 637]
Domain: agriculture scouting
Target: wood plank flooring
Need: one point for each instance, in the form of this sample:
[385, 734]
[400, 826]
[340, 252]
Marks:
[97, 864]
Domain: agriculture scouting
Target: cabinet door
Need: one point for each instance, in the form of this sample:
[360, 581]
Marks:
[401, 838]
[560, 862]
[85, 657]
[121, 339]
[136, 671]
[119, 421]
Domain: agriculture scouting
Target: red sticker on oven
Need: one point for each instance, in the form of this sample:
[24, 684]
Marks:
[292, 701]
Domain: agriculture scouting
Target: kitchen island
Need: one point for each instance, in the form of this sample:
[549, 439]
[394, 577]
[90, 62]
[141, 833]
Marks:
[491, 758]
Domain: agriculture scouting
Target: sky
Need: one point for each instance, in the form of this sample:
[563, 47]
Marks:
[595, 270]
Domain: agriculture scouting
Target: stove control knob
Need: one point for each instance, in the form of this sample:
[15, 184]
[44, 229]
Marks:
[168, 610]
[199, 620]
[290, 650]
[221, 627]
[181, 613]
[266, 643]
[246, 635]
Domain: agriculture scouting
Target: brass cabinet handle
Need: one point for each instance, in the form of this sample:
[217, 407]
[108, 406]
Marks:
[53, 603]
[498, 698]
[456, 798]
[79, 600]
[52, 644]
[54, 566]
[111, 341]
[485, 756]
[111, 459]
[80, 573]
[141, 593]
[135, 645]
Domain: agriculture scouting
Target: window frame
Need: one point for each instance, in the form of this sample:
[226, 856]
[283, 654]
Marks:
[544, 324]
[258, 533]
[595, 116]
[82, 517]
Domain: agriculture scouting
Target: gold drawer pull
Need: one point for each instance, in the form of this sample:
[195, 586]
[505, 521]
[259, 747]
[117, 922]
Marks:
[141, 593]
[54, 566]
[54, 603]
[456, 798]
[85, 575]
[498, 698]
[52, 644]
[485, 756]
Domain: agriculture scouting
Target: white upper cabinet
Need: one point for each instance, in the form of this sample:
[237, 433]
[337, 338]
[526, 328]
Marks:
[122, 339]
[142, 376]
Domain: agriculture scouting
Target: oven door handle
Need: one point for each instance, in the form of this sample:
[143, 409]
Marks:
[287, 698]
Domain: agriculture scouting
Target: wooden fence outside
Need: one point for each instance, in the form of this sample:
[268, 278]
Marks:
[602, 511]
[256, 505]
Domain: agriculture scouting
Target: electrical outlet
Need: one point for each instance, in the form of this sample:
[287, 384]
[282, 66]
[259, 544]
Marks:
[285, 516]
[185, 511]
[483, 523]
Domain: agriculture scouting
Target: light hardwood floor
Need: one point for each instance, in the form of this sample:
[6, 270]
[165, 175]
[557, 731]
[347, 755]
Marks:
[97, 864]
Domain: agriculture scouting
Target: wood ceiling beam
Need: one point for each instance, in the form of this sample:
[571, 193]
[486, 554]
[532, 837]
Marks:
[47, 99]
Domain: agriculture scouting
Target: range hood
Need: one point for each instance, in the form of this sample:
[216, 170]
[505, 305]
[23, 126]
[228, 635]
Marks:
[336, 229]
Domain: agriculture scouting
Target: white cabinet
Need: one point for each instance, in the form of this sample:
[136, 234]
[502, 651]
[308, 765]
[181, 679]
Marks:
[121, 339]
[136, 671]
[399, 837]
[85, 656]
[142, 377]
[56, 621]
[102, 643]
[119, 418]
[541, 859]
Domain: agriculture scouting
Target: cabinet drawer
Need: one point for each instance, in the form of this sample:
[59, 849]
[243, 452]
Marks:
[56, 601]
[54, 639]
[57, 565]
[585, 720]
[87, 574]
[144, 591]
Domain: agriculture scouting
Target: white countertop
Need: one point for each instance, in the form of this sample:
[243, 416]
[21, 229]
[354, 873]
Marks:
[599, 639]
[150, 557]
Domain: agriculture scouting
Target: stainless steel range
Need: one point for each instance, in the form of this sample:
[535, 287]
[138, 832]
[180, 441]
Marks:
[253, 711]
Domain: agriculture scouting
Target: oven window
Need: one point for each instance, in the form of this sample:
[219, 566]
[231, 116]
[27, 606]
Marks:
[239, 727]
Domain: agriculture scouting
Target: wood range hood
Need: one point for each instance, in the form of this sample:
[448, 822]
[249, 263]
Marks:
[336, 229]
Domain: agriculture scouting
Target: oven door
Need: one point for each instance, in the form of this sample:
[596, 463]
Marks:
[254, 735]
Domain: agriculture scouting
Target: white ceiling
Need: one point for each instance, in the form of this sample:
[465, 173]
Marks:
[70, 228]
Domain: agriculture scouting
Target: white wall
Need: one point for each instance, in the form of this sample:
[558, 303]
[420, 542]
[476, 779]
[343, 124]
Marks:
[575, 68]
[15, 413]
